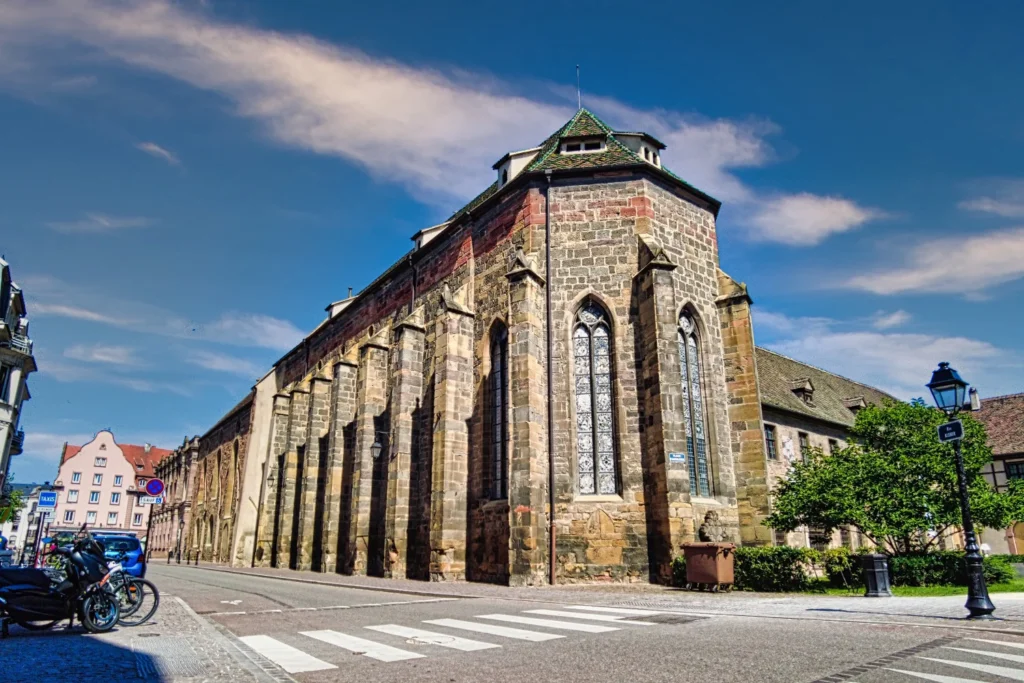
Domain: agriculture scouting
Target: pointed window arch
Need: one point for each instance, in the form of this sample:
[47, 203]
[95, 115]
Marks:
[595, 434]
[693, 406]
[497, 464]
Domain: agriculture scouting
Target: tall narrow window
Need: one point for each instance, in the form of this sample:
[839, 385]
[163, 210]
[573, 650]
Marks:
[595, 441]
[805, 446]
[693, 407]
[498, 465]
[769, 441]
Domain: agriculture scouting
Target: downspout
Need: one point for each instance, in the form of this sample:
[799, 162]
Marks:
[550, 378]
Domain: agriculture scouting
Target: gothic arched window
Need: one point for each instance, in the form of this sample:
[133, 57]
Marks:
[595, 441]
[693, 407]
[497, 464]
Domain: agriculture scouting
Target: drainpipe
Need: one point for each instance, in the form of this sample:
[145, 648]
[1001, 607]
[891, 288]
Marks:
[551, 383]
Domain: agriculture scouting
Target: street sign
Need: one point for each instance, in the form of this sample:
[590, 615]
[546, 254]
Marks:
[951, 431]
[47, 500]
[154, 487]
[151, 500]
[677, 457]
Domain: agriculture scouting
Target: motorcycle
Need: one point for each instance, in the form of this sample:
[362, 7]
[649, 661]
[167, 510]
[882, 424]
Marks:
[30, 599]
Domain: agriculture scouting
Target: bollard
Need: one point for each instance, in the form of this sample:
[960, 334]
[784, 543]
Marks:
[876, 576]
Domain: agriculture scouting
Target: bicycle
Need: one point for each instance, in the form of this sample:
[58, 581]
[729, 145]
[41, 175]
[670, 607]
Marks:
[132, 594]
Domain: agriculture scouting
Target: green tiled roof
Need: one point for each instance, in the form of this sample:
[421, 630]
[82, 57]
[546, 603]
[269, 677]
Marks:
[776, 374]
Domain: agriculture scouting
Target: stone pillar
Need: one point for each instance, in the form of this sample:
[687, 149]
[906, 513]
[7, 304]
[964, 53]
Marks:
[371, 403]
[266, 543]
[666, 482]
[288, 481]
[317, 422]
[527, 486]
[407, 399]
[747, 433]
[453, 405]
[343, 412]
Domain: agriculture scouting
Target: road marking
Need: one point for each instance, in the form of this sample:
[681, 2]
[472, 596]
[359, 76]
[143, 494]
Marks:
[616, 610]
[998, 655]
[431, 638]
[230, 602]
[361, 646]
[285, 656]
[517, 633]
[592, 617]
[1019, 646]
[1004, 671]
[937, 678]
[549, 623]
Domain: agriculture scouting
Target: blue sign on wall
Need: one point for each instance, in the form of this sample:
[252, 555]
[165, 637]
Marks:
[677, 457]
[47, 499]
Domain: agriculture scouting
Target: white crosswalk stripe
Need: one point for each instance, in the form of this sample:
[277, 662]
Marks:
[285, 656]
[494, 630]
[548, 623]
[1019, 646]
[936, 677]
[1004, 671]
[616, 610]
[432, 638]
[988, 653]
[592, 617]
[368, 648]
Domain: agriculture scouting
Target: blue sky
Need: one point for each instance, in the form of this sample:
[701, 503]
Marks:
[186, 185]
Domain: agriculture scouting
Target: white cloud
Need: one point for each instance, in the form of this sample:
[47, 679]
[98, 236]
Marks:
[885, 321]
[435, 131]
[62, 311]
[94, 223]
[236, 328]
[155, 150]
[224, 363]
[1006, 198]
[806, 219]
[101, 353]
[41, 458]
[896, 362]
[953, 265]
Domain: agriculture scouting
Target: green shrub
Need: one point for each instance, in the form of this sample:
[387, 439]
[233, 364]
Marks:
[944, 568]
[774, 569]
[679, 572]
[843, 568]
[1013, 559]
[998, 570]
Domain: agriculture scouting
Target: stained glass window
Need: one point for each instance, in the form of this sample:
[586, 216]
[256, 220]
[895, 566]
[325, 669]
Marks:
[693, 407]
[498, 464]
[595, 434]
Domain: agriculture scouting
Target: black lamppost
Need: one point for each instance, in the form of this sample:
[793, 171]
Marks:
[950, 391]
[181, 529]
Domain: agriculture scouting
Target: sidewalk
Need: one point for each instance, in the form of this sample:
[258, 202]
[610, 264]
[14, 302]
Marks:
[931, 611]
[176, 645]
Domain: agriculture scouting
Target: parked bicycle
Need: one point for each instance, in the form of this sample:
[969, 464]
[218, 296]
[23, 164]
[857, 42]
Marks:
[139, 598]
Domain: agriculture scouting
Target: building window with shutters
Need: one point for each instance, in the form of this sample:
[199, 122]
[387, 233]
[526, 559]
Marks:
[497, 466]
[693, 407]
[594, 399]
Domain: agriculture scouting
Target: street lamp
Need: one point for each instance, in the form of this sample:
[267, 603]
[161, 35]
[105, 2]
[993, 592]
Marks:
[377, 447]
[181, 530]
[949, 391]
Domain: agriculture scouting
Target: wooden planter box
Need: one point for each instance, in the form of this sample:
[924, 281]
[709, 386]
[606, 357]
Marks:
[709, 565]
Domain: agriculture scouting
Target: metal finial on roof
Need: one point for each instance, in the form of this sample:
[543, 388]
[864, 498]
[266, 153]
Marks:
[579, 97]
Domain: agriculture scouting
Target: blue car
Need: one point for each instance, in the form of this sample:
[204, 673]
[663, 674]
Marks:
[134, 562]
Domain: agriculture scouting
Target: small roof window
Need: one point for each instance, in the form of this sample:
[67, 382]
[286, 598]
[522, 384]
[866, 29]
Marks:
[582, 145]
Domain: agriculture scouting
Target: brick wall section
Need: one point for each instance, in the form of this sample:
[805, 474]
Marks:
[338, 498]
[298, 410]
[407, 398]
[311, 490]
[747, 430]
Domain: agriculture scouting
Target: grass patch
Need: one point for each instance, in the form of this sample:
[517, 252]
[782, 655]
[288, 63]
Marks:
[1015, 586]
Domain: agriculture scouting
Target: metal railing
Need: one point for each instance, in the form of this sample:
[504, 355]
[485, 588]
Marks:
[18, 342]
[17, 442]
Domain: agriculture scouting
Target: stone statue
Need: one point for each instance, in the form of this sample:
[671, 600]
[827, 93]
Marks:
[711, 530]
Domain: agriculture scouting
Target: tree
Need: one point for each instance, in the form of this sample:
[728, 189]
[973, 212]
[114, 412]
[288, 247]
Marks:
[11, 501]
[895, 482]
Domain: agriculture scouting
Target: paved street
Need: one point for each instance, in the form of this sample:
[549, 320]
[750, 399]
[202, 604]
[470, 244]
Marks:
[217, 626]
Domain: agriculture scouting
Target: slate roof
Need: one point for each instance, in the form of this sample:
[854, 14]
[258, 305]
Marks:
[1003, 417]
[776, 378]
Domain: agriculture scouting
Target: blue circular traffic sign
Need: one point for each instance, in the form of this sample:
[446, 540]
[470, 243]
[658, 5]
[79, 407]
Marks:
[154, 487]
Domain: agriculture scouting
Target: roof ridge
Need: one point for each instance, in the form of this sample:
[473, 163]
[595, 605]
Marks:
[1004, 396]
[827, 372]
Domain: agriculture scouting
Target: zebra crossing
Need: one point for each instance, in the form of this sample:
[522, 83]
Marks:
[384, 642]
[972, 660]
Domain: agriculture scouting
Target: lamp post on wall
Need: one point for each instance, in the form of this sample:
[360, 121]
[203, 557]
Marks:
[949, 392]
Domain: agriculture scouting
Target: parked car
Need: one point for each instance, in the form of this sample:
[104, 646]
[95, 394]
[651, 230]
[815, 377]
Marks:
[117, 545]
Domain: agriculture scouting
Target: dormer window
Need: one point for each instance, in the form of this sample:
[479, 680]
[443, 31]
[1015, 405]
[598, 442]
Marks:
[803, 389]
[855, 403]
[583, 146]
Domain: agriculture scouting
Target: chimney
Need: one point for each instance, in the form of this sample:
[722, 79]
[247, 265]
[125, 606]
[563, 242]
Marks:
[148, 447]
[349, 292]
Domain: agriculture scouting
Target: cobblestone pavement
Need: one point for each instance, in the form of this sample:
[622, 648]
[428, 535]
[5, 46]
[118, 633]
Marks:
[176, 645]
[936, 611]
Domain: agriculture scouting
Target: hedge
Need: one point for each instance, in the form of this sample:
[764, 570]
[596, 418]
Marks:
[774, 569]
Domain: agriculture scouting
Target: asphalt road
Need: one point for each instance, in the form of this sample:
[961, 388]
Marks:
[326, 633]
